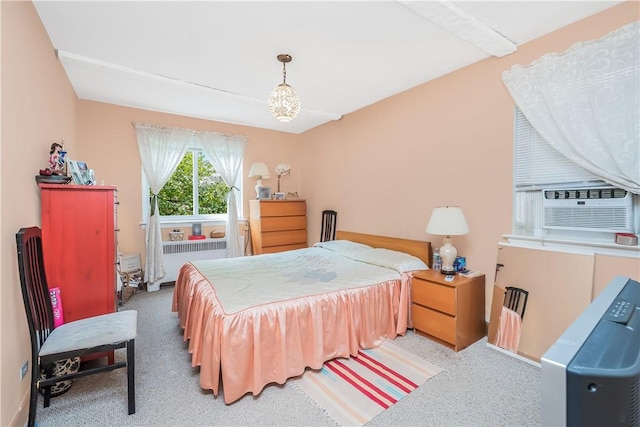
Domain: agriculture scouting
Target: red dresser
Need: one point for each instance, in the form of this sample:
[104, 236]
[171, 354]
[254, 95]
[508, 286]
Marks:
[79, 246]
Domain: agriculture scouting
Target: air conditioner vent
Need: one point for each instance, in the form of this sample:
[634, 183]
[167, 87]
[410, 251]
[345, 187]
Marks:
[588, 209]
[586, 193]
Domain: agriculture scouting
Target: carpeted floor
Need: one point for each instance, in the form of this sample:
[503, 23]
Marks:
[480, 387]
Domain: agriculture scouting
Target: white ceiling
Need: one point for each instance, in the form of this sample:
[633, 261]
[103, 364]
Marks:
[217, 60]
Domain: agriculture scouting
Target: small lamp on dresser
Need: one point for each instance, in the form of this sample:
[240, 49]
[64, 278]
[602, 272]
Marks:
[447, 221]
[261, 171]
[282, 169]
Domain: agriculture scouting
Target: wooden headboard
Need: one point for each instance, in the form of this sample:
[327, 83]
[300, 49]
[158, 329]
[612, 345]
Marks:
[418, 248]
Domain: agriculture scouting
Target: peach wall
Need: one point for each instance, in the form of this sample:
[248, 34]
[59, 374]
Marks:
[38, 108]
[607, 267]
[446, 142]
[108, 145]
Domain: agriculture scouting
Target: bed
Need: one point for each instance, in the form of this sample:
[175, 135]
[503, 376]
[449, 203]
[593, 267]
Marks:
[252, 321]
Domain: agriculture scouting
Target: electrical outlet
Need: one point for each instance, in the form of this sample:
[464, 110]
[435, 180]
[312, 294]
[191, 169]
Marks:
[24, 369]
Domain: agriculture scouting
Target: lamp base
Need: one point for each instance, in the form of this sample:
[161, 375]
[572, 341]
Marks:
[448, 272]
[258, 185]
[448, 254]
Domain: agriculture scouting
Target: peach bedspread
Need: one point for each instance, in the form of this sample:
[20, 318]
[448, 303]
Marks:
[272, 338]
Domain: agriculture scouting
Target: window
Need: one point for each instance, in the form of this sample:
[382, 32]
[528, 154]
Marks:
[195, 191]
[538, 167]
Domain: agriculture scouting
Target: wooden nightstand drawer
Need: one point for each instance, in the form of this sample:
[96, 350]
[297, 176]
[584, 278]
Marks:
[434, 323]
[438, 297]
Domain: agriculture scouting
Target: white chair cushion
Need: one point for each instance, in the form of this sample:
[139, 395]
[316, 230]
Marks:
[91, 332]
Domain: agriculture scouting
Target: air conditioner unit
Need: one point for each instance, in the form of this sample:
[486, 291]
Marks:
[604, 209]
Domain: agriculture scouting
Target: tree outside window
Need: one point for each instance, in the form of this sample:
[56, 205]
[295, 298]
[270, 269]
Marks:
[195, 188]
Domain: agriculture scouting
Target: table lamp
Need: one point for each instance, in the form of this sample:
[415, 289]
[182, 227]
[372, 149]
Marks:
[259, 170]
[282, 169]
[447, 221]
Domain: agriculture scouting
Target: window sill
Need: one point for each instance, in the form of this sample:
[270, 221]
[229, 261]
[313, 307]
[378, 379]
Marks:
[189, 222]
[571, 246]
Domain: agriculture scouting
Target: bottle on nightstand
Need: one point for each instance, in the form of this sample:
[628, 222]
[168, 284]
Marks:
[437, 261]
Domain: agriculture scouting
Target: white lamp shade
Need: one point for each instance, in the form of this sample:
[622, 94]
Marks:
[259, 170]
[447, 221]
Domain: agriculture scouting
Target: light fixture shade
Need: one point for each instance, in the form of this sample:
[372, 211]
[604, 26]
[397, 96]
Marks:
[284, 103]
[259, 170]
[447, 221]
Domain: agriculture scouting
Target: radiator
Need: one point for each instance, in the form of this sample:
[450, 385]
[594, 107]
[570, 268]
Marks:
[176, 254]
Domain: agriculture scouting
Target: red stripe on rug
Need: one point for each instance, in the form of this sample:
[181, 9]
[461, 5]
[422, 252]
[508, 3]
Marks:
[363, 390]
[373, 365]
[333, 388]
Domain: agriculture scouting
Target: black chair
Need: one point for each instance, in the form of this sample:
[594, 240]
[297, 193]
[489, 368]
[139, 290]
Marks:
[79, 338]
[516, 299]
[328, 231]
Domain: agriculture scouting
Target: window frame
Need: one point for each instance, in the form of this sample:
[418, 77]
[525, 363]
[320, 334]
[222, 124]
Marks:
[526, 228]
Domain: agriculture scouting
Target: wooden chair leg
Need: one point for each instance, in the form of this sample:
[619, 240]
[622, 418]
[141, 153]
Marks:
[131, 386]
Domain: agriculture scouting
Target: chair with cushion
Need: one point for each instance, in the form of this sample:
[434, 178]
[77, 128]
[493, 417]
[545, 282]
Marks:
[93, 335]
[328, 231]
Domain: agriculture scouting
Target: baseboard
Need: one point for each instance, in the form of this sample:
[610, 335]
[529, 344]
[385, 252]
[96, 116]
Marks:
[515, 355]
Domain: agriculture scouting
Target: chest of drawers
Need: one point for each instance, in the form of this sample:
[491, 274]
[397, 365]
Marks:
[277, 225]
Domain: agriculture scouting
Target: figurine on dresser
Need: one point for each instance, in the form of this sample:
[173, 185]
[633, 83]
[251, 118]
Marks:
[57, 163]
[56, 170]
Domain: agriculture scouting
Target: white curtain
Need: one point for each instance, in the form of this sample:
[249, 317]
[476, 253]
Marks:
[226, 152]
[161, 150]
[585, 103]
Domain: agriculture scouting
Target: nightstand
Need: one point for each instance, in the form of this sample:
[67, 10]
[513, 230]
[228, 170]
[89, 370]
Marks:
[451, 313]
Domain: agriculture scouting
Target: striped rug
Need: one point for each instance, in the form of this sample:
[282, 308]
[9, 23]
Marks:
[353, 391]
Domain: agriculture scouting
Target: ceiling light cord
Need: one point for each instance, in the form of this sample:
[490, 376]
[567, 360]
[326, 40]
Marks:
[284, 73]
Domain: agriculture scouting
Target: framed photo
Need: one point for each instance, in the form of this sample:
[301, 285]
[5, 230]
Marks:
[80, 172]
[85, 173]
[74, 171]
[279, 196]
[264, 193]
[92, 177]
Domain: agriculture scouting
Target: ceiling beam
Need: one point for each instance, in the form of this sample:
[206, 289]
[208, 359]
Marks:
[111, 68]
[465, 26]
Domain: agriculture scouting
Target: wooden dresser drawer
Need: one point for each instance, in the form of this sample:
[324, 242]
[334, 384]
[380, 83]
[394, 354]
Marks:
[283, 208]
[433, 295]
[282, 223]
[274, 249]
[282, 238]
[434, 323]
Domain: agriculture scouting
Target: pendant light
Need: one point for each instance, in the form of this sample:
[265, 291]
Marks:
[284, 102]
